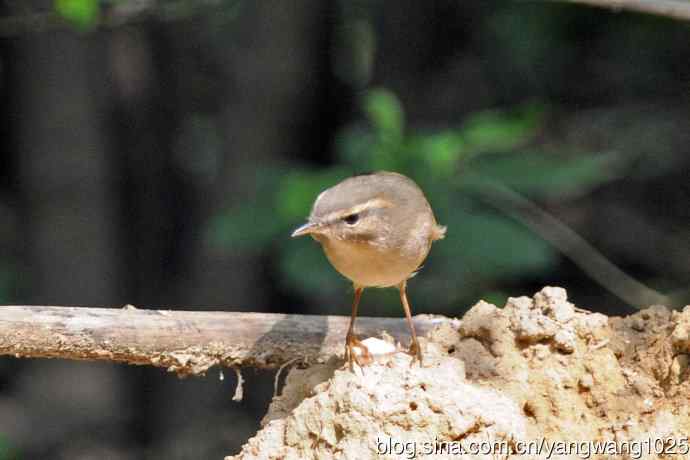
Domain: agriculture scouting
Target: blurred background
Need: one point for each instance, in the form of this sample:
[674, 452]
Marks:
[158, 153]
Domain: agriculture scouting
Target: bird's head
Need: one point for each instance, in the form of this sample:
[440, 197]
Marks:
[384, 209]
[356, 210]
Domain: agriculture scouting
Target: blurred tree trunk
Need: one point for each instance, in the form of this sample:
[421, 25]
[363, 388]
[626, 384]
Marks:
[272, 55]
[145, 114]
[69, 226]
[63, 172]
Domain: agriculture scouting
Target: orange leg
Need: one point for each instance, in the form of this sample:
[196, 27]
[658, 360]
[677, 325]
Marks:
[415, 349]
[351, 340]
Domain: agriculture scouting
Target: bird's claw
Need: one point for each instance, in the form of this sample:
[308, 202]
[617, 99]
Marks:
[415, 351]
[352, 346]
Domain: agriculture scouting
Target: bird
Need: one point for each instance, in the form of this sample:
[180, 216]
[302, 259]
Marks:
[376, 230]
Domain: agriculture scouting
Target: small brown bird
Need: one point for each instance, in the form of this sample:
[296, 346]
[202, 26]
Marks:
[376, 230]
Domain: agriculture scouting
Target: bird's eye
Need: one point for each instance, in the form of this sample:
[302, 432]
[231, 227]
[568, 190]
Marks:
[351, 219]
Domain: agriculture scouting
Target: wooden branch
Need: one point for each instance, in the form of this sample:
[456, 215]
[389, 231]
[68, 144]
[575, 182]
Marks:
[186, 342]
[676, 9]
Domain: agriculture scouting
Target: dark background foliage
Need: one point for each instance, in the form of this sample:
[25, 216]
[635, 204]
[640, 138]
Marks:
[158, 154]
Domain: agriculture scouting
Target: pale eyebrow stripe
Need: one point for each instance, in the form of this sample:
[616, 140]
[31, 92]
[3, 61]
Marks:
[374, 203]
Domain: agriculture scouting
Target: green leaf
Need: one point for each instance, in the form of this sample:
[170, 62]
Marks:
[354, 146]
[499, 131]
[241, 228]
[439, 152]
[354, 50]
[305, 269]
[385, 112]
[497, 247]
[480, 251]
[298, 190]
[7, 452]
[81, 13]
[497, 298]
[546, 174]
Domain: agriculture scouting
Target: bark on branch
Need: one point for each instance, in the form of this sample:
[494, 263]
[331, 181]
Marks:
[185, 342]
[676, 9]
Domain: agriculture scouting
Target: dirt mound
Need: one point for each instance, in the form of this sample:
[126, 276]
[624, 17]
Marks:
[536, 378]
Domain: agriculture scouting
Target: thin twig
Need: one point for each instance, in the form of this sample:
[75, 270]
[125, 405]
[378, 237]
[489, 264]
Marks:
[276, 380]
[572, 245]
[239, 389]
[675, 9]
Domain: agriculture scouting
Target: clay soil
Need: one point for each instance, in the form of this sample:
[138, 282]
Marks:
[537, 372]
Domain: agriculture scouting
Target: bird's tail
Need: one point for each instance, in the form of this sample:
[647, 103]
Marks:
[438, 232]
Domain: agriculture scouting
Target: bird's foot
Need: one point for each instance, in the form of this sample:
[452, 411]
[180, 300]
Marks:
[416, 352]
[356, 352]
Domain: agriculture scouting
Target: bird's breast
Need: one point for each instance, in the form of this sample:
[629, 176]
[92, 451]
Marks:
[368, 265]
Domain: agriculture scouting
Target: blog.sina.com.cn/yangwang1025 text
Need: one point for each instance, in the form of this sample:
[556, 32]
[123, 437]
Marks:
[634, 449]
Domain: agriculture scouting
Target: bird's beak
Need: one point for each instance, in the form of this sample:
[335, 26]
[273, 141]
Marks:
[306, 229]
